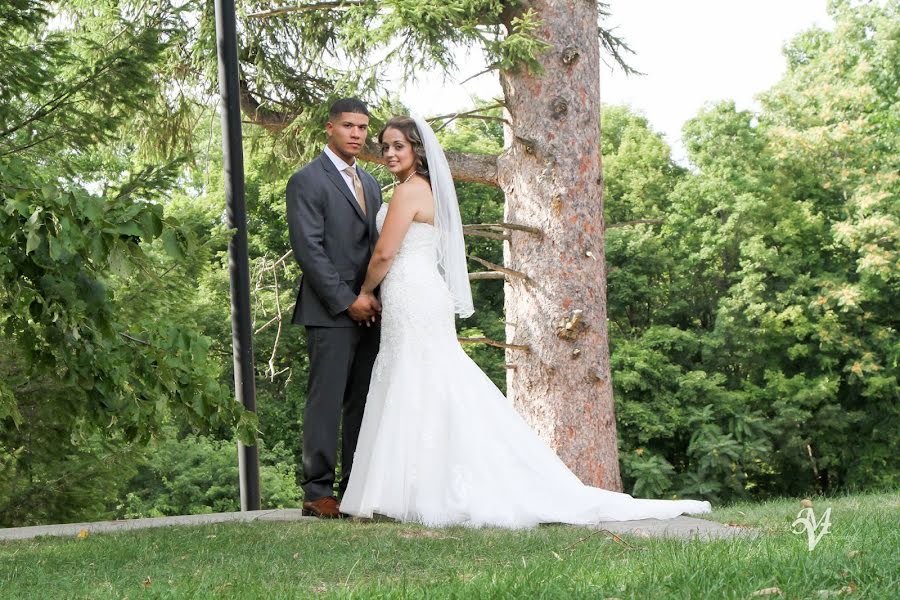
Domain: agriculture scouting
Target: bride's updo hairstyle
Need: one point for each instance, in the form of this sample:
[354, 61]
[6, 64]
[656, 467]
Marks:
[407, 127]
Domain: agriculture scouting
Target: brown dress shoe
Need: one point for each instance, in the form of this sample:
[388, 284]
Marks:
[324, 508]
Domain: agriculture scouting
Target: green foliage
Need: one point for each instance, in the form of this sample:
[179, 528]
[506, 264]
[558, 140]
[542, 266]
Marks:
[521, 47]
[50, 474]
[754, 332]
[62, 303]
[96, 350]
[197, 475]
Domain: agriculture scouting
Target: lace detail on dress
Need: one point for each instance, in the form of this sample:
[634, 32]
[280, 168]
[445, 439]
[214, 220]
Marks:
[416, 305]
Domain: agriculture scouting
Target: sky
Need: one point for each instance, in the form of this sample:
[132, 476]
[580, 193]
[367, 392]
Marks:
[692, 51]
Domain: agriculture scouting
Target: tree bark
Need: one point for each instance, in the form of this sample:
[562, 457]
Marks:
[551, 175]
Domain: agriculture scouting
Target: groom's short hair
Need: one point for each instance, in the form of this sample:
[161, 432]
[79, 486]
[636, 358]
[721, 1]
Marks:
[347, 105]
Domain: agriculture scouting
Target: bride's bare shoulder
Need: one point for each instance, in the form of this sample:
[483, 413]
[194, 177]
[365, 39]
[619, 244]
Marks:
[416, 195]
[416, 190]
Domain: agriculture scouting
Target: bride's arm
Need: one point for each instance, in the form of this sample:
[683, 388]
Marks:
[401, 212]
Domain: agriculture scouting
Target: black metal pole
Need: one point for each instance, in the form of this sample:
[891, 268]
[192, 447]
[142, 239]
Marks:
[238, 263]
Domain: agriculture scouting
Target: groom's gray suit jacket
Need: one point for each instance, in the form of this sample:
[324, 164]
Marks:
[332, 241]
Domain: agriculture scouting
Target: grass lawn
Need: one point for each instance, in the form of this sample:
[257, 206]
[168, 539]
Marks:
[859, 558]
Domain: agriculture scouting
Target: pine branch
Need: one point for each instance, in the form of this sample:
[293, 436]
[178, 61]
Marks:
[468, 167]
[33, 143]
[333, 5]
[469, 114]
[635, 222]
[134, 339]
[491, 67]
[614, 44]
[476, 117]
[58, 102]
[271, 120]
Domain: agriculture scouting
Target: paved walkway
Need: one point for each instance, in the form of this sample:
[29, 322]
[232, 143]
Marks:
[681, 527]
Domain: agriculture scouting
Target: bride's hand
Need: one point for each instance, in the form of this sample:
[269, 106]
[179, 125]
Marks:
[376, 304]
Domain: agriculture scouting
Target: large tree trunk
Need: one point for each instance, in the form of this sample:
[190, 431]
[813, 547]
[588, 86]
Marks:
[551, 175]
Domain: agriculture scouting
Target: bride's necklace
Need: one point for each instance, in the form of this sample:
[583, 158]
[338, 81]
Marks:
[398, 182]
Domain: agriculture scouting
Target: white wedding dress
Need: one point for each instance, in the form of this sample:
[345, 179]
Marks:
[440, 444]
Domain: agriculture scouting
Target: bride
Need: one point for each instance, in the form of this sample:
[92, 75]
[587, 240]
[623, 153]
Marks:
[440, 444]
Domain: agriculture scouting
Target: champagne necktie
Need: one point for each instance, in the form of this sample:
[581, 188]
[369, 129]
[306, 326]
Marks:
[357, 185]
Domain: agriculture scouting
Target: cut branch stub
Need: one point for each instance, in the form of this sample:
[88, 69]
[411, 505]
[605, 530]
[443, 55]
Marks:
[556, 204]
[559, 107]
[529, 145]
[504, 225]
[494, 343]
[495, 267]
[570, 55]
[486, 275]
[491, 235]
[573, 327]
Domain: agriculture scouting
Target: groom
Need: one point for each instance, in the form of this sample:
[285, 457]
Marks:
[331, 208]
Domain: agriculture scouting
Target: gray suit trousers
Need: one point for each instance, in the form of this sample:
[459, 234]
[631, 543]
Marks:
[340, 366]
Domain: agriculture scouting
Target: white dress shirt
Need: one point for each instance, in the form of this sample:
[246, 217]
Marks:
[340, 165]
